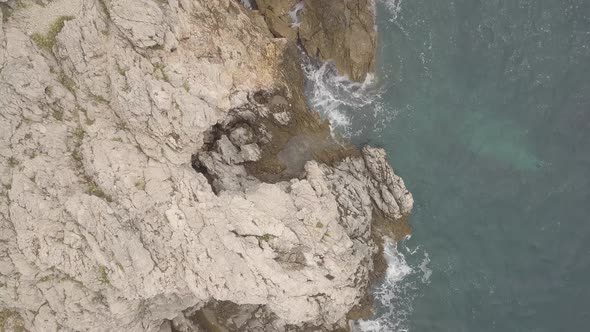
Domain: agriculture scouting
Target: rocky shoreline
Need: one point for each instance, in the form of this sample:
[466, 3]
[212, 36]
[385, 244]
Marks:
[160, 169]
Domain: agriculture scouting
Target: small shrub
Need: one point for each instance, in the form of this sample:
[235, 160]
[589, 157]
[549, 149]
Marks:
[58, 115]
[95, 190]
[121, 125]
[319, 225]
[120, 69]
[66, 81]
[6, 12]
[104, 7]
[140, 184]
[266, 237]
[16, 321]
[98, 99]
[4, 315]
[12, 162]
[77, 156]
[42, 41]
[74, 280]
[161, 67]
[46, 278]
[79, 133]
[89, 122]
[103, 275]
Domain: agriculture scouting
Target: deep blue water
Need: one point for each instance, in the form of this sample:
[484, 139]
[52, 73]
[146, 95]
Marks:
[491, 131]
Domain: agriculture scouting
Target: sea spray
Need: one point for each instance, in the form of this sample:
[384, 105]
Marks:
[294, 14]
[249, 4]
[393, 6]
[353, 108]
[406, 270]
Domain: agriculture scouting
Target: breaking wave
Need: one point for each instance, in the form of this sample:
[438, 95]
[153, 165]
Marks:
[356, 111]
[407, 269]
[294, 14]
[393, 6]
[353, 108]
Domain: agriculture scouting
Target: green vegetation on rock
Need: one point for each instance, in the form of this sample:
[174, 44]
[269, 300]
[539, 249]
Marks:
[11, 321]
[66, 81]
[95, 190]
[77, 156]
[4, 315]
[46, 278]
[47, 41]
[140, 184]
[58, 115]
[266, 237]
[79, 133]
[12, 162]
[6, 12]
[103, 275]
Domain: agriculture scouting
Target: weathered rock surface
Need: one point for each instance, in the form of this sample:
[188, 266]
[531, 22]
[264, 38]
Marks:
[342, 31]
[106, 111]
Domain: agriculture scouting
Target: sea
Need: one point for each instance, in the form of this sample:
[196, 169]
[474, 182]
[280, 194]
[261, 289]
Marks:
[483, 107]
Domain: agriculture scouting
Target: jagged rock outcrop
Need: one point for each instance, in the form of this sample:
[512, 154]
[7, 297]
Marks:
[140, 175]
[342, 31]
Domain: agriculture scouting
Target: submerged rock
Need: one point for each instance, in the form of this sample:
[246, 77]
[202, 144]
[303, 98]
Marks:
[141, 178]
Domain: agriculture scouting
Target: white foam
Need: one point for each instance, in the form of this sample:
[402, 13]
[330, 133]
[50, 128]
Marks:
[393, 6]
[354, 109]
[294, 14]
[395, 296]
[247, 3]
[426, 271]
[351, 107]
[397, 268]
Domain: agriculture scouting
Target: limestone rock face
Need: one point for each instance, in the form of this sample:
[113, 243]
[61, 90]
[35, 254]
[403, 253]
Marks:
[342, 31]
[126, 201]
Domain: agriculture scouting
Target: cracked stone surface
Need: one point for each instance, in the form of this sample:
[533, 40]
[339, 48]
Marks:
[104, 223]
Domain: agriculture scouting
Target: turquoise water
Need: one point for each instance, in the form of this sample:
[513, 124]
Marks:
[484, 109]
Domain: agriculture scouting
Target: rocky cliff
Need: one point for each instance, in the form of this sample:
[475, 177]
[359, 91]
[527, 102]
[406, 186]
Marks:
[159, 170]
